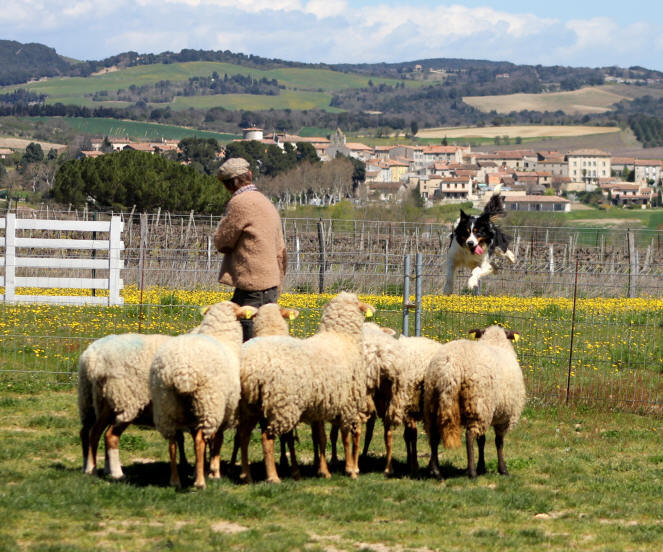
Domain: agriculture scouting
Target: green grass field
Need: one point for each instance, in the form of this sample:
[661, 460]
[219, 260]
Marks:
[135, 129]
[287, 99]
[308, 88]
[580, 480]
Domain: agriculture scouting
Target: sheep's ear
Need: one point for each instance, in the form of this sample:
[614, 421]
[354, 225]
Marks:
[205, 309]
[476, 334]
[514, 336]
[289, 314]
[247, 312]
[388, 331]
[368, 310]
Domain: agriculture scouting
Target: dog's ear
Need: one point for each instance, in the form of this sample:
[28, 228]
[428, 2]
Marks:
[464, 215]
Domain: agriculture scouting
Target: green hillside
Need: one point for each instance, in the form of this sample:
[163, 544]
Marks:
[134, 129]
[306, 88]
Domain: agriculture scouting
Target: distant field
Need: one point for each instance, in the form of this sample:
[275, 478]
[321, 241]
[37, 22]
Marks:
[288, 99]
[72, 89]
[593, 99]
[20, 143]
[513, 131]
[134, 129]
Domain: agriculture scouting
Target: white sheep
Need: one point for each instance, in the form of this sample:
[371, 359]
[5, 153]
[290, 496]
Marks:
[322, 378]
[271, 319]
[475, 384]
[194, 384]
[113, 392]
[385, 364]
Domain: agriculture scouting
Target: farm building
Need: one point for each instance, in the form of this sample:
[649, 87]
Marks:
[537, 203]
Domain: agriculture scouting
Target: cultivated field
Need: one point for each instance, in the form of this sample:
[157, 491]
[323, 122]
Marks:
[20, 143]
[287, 99]
[592, 99]
[133, 129]
[514, 131]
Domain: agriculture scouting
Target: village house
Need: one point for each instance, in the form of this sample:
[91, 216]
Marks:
[5, 152]
[445, 154]
[627, 193]
[536, 203]
[554, 163]
[648, 170]
[588, 165]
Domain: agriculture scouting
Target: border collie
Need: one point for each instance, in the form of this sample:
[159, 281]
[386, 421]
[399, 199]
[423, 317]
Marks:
[475, 243]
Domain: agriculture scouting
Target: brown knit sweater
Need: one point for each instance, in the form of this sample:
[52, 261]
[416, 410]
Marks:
[251, 239]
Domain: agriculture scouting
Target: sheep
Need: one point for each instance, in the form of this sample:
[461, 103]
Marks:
[475, 385]
[271, 320]
[113, 392]
[194, 384]
[321, 378]
[385, 364]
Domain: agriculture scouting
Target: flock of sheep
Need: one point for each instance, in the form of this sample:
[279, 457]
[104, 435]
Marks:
[349, 372]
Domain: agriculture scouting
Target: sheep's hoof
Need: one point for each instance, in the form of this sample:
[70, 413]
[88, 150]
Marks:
[296, 475]
[273, 480]
[481, 470]
[215, 475]
[245, 478]
[435, 473]
[200, 485]
[326, 474]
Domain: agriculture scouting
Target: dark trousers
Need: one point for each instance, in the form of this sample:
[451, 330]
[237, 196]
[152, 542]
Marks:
[256, 299]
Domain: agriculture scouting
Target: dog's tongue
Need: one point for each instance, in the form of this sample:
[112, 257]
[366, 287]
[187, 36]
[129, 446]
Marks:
[478, 250]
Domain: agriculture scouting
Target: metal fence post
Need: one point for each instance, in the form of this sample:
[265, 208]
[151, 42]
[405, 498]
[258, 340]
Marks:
[406, 296]
[417, 301]
[322, 258]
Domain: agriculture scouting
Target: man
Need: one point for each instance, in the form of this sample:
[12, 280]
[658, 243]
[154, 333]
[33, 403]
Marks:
[251, 238]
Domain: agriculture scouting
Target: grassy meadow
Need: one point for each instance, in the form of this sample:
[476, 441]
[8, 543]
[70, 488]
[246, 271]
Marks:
[307, 88]
[98, 126]
[586, 476]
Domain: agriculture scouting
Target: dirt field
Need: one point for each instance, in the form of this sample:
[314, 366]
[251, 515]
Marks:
[592, 99]
[524, 131]
[21, 144]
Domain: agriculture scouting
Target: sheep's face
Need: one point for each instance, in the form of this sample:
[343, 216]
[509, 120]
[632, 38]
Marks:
[495, 331]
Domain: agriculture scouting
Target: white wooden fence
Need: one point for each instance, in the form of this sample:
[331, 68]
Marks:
[41, 264]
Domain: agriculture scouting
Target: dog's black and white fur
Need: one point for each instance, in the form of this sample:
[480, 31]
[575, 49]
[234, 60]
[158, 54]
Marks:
[475, 243]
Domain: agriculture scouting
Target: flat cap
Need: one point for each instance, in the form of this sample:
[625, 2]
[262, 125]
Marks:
[235, 166]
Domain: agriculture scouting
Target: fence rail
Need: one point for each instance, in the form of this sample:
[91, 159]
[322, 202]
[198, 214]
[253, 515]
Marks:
[63, 255]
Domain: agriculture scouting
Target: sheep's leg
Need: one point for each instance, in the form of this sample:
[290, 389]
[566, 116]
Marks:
[499, 445]
[90, 452]
[215, 455]
[333, 437]
[481, 464]
[316, 444]
[410, 437]
[347, 447]
[179, 436]
[370, 425]
[244, 432]
[174, 474]
[388, 445]
[199, 446]
[434, 442]
[356, 438]
[319, 430]
[290, 440]
[236, 446]
[469, 445]
[268, 454]
[112, 440]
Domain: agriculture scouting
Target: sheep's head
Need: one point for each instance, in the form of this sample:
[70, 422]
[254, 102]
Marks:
[271, 319]
[494, 331]
[345, 313]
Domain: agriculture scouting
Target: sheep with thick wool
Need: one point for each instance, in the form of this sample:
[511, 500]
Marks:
[194, 384]
[415, 353]
[286, 380]
[385, 364]
[473, 384]
[114, 392]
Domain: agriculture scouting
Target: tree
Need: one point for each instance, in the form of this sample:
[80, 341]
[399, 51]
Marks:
[201, 153]
[33, 153]
[414, 128]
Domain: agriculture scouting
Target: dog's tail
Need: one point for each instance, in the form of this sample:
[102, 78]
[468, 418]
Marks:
[494, 209]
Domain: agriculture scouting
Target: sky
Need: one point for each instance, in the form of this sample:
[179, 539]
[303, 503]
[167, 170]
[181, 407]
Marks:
[587, 33]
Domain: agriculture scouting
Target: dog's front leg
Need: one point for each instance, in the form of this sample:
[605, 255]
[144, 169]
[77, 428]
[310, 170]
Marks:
[479, 272]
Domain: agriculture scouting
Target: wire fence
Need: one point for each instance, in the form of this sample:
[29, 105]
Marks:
[604, 348]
